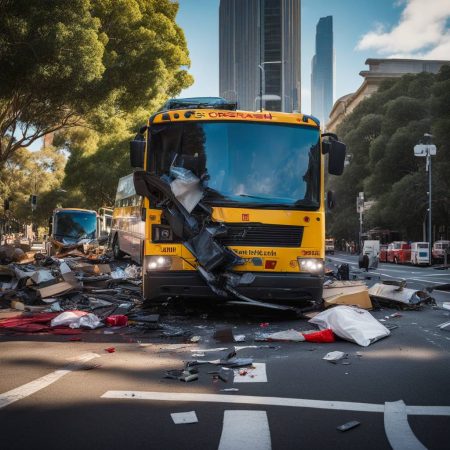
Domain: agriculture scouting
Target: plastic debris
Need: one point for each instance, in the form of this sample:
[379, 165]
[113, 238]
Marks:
[334, 356]
[320, 336]
[119, 320]
[283, 336]
[348, 426]
[184, 417]
[76, 319]
[353, 324]
[110, 349]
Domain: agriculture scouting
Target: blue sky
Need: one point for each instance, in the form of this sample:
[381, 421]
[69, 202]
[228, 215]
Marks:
[362, 29]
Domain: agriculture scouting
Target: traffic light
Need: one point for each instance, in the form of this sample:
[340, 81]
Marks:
[6, 204]
[33, 200]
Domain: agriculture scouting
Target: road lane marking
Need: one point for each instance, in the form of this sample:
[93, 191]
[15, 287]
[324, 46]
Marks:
[396, 426]
[252, 375]
[245, 429]
[271, 401]
[34, 386]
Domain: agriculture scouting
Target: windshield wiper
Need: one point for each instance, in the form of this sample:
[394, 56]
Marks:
[254, 196]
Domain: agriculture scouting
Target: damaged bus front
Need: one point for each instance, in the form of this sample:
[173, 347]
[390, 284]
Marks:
[71, 228]
[233, 202]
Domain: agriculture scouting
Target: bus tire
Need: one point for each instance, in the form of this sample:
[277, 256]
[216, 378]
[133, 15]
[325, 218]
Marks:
[118, 254]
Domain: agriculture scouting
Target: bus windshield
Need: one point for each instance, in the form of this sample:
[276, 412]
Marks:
[245, 163]
[72, 226]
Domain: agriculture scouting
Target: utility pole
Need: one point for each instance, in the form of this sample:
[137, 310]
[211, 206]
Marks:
[427, 149]
[360, 209]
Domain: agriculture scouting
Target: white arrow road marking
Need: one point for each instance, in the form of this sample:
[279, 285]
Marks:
[245, 429]
[397, 429]
[34, 386]
[272, 401]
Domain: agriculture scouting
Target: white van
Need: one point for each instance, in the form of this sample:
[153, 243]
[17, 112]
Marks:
[371, 250]
[420, 253]
[439, 250]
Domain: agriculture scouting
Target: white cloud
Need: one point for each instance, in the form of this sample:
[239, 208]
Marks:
[422, 32]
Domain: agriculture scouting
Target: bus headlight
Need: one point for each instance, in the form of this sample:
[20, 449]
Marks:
[311, 265]
[159, 263]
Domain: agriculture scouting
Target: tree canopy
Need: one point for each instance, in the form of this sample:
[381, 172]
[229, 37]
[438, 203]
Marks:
[380, 135]
[67, 63]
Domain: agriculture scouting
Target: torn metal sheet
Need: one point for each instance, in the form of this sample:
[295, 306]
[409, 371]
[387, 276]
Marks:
[198, 235]
[395, 293]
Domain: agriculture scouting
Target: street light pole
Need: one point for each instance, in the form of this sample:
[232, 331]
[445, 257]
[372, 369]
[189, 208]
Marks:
[428, 150]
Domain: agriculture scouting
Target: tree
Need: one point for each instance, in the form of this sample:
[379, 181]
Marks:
[380, 135]
[69, 63]
[32, 173]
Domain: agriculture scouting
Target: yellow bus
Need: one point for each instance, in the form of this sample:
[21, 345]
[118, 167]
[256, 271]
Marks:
[127, 228]
[234, 202]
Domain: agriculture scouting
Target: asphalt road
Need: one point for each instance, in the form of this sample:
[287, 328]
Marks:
[55, 393]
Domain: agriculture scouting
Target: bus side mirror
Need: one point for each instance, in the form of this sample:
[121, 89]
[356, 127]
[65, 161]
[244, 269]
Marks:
[137, 150]
[336, 157]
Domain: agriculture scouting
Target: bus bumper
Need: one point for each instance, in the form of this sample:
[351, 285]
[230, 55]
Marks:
[266, 286]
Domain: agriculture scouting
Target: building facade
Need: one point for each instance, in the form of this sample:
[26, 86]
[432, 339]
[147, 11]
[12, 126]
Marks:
[322, 71]
[379, 70]
[259, 55]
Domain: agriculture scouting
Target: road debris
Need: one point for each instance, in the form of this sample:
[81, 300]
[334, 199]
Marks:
[335, 356]
[184, 417]
[347, 293]
[322, 336]
[395, 292]
[282, 336]
[353, 324]
[348, 426]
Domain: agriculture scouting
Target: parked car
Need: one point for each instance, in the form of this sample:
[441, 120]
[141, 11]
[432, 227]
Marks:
[439, 250]
[420, 253]
[399, 252]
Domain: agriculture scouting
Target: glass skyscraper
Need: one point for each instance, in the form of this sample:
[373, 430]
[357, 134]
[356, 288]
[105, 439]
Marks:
[322, 74]
[260, 53]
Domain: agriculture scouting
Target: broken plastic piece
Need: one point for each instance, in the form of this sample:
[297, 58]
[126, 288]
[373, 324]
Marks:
[284, 336]
[184, 417]
[110, 349]
[334, 356]
[320, 336]
[186, 187]
[348, 426]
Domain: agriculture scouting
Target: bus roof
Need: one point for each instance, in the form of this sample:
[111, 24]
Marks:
[74, 210]
[217, 108]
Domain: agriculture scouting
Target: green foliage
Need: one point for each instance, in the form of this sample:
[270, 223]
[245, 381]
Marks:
[380, 135]
[27, 173]
[67, 63]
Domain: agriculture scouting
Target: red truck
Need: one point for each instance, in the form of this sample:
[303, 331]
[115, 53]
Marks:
[399, 252]
[383, 253]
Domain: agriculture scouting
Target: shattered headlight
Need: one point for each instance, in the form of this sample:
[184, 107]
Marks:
[159, 263]
[311, 265]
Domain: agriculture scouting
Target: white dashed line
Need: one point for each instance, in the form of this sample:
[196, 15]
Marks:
[34, 386]
[245, 429]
